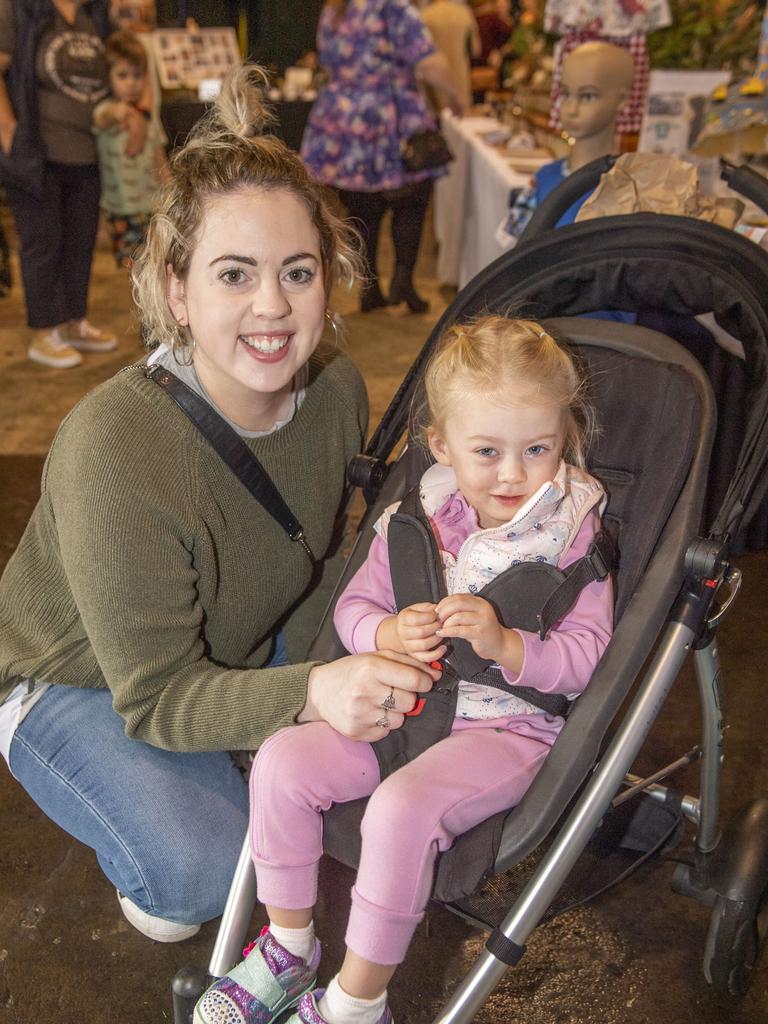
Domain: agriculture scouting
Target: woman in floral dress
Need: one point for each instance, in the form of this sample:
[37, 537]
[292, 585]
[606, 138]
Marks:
[376, 53]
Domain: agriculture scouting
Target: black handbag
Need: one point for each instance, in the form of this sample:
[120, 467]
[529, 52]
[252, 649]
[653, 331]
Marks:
[424, 151]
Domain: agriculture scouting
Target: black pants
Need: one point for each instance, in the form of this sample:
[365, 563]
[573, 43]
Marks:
[409, 207]
[57, 234]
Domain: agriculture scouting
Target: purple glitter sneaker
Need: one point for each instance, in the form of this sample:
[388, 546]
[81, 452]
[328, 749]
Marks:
[308, 1013]
[269, 981]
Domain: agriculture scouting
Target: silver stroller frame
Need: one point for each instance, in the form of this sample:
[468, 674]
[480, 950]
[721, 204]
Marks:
[608, 777]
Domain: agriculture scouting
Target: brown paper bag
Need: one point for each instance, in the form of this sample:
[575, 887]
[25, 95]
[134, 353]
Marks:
[657, 183]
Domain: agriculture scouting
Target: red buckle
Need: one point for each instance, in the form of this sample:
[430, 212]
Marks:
[417, 708]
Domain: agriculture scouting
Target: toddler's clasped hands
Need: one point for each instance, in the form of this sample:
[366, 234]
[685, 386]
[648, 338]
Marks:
[423, 628]
[417, 630]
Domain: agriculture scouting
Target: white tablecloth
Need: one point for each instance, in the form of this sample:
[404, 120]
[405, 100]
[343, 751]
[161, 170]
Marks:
[471, 200]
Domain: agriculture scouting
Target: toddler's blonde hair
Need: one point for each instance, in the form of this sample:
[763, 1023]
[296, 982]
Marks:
[509, 361]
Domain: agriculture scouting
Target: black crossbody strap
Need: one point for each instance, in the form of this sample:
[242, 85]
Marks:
[233, 450]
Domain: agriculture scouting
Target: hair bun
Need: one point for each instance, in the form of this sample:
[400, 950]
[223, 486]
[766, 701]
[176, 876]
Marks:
[241, 107]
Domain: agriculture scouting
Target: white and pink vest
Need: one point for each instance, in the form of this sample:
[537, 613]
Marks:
[542, 530]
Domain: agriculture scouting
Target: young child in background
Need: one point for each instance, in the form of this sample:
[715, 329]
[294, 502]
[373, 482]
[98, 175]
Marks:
[130, 171]
[506, 424]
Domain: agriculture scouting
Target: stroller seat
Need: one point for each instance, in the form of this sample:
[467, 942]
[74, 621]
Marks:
[643, 385]
[655, 496]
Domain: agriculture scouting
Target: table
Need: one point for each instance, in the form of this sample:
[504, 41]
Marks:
[471, 200]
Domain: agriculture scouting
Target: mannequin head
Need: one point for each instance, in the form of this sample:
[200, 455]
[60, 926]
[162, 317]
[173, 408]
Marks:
[595, 82]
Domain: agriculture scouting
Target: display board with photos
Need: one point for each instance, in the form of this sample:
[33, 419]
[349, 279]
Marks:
[675, 109]
[187, 58]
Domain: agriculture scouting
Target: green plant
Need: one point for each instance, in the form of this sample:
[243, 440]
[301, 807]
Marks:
[709, 34]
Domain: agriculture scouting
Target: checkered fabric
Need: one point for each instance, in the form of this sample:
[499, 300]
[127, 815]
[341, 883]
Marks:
[616, 17]
[631, 116]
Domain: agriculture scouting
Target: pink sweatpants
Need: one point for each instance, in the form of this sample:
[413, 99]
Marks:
[411, 816]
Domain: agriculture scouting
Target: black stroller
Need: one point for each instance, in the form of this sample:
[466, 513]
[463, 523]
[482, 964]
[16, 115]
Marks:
[680, 489]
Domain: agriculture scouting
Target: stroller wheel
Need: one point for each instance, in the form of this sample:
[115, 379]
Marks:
[737, 931]
[186, 988]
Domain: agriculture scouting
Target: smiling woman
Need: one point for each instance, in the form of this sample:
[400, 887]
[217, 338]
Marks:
[256, 294]
[146, 613]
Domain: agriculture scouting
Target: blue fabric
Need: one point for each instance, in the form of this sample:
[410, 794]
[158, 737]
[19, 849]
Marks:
[167, 827]
[547, 178]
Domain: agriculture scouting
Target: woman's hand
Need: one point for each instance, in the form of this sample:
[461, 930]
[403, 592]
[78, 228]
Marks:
[349, 694]
[412, 631]
[473, 619]
[435, 70]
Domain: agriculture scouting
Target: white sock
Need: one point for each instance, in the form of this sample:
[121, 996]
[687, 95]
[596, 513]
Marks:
[299, 941]
[337, 1007]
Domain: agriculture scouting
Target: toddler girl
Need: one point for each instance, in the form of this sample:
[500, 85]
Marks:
[130, 145]
[507, 418]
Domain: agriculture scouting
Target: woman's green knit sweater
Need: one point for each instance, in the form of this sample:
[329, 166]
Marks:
[147, 566]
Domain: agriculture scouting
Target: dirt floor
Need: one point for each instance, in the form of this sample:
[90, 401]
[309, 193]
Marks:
[67, 956]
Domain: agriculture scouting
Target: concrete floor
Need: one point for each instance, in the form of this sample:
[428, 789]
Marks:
[68, 956]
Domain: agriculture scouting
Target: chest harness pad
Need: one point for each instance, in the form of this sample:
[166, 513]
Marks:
[532, 596]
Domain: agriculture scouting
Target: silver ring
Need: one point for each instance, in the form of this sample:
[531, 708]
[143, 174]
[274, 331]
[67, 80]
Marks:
[389, 702]
[383, 722]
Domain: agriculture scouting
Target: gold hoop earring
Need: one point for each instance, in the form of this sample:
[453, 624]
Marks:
[188, 349]
[333, 320]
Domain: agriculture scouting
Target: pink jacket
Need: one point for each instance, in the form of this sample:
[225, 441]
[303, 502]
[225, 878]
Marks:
[562, 663]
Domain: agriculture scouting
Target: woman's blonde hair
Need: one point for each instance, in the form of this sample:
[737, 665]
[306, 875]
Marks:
[227, 151]
[509, 361]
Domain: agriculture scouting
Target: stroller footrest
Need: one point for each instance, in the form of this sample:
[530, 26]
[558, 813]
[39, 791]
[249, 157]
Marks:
[504, 949]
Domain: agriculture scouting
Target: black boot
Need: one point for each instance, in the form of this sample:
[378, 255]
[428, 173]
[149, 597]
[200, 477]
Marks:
[401, 290]
[371, 297]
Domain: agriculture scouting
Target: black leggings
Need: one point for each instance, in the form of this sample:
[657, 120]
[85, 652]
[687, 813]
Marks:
[409, 207]
[57, 233]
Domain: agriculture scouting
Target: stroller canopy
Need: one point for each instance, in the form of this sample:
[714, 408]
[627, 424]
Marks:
[641, 263]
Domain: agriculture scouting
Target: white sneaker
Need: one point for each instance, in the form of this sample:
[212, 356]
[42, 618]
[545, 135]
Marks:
[52, 350]
[156, 928]
[87, 338]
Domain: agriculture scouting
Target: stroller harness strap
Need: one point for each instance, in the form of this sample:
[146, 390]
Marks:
[532, 596]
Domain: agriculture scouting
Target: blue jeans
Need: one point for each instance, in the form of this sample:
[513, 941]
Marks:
[167, 827]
